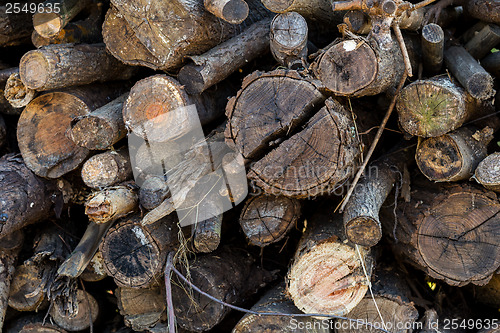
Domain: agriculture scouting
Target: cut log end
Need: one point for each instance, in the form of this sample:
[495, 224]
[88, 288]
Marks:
[488, 172]
[17, 93]
[87, 312]
[47, 24]
[439, 158]
[34, 69]
[25, 291]
[235, 11]
[194, 80]
[91, 132]
[364, 230]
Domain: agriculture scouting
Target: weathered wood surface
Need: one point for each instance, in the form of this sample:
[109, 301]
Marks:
[289, 36]
[487, 172]
[107, 169]
[49, 23]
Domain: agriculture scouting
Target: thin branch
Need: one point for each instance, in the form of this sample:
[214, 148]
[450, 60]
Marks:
[423, 4]
[168, 293]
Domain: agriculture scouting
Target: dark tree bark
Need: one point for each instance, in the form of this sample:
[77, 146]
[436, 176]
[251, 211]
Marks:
[48, 23]
[483, 41]
[485, 10]
[153, 191]
[15, 29]
[207, 234]
[432, 47]
[492, 63]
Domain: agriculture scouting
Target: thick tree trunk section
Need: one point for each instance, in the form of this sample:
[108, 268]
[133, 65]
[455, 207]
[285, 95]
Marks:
[359, 68]
[122, 43]
[17, 93]
[488, 172]
[87, 312]
[48, 23]
[227, 275]
[276, 300]
[218, 63]
[492, 63]
[483, 41]
[316, 10]
[449, 231]
[26, 198]
[432, 47]
[179, 28]
[15, 29]
[106, 169]
[314, 161]
[142, 308]
[158, 108]
[485, 10]
[232, 11]
[469, 73]
[58, 66]
[289, 33]
[26, 292]
[361, 215]
[153, 191]
[453, 156]
[134, 255]
[436, 106]
[10, 245]
[327, 271]
[391, 295]
[101, 128]
[267, 219]
[41, 131]
[111, 203]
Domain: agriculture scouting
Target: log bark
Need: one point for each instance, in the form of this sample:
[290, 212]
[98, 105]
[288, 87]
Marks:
[86, 313]
[328, 158]
[469, 73]
[361, 215]
[217, 64]
[483, 41]
[111, 203]
[101, 128]
[232, 11]
[106, 169]
[327, 271]
[453, 156]
[41, 131]
[435, 106]
[59, 66]
[26, 198]
[134, 255]
[432, 47]
[14, 29]
[227, 275]
[17, 93]
[317, 10]
[48, 23]
[276, 300]
[289, 35]
[359, 68]
[487, 11]
[10, 246]
[391, 294]
[492, 63]
[26, 290]
[441, 217]
[207, 234]
[158, 108]
[179, 28]
[267, 219]
[141, 308]
[488, 172]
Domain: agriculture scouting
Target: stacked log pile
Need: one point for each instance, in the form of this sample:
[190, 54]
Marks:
[236, 166]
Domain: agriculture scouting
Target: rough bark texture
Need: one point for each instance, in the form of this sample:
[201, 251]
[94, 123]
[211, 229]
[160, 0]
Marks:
[432, 47]
[449, 231]
[14, 29]
[106, 169]
[289, 33]
[327, 271]
[142, 308]
[207, 234]
[469, 73]
[58, 66]
[488, 172]
[26, 198]
[359, 68]
[227, 275]
[316, 10]
[153, 191]
[361, 215]
[485, 10]
[134, 255]
[218, 63]
[176, 29]
[483, 41]
[232, 11]
[314, 161]
[48, 23]
[158, 108]
[453, 156]
[433, 107]
[41, 131]
[277, 300]
[111, 203]
[393, 305]
[17, 93]
[10, 245]
[87, 312]
[267, 219]
[101, 128]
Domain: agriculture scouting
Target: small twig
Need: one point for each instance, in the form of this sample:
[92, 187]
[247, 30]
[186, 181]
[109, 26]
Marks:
[423, 4]
[404, 51]
[168, 293]
[374, 144]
